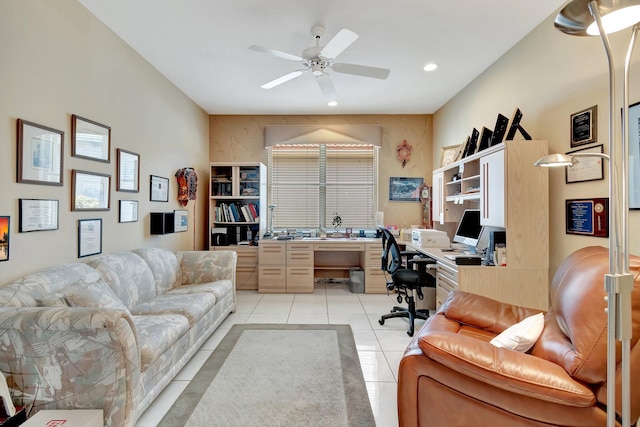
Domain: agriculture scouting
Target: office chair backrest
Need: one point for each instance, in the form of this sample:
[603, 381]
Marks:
[391, 256]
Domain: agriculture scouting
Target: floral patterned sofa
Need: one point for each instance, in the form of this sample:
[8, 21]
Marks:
[110, 333]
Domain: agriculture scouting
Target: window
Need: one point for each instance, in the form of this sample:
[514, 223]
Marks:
[309, 184]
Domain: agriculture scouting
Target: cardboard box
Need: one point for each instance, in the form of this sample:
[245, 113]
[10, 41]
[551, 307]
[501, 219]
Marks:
[429, 238]
[66, 418]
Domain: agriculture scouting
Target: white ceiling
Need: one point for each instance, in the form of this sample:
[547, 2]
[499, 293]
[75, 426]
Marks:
[202, 47]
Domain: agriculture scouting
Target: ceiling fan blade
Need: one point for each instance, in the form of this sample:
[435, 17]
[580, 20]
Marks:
[361, 70]
[276, 53]
[326, 86]
[283, 79]
[338, 43]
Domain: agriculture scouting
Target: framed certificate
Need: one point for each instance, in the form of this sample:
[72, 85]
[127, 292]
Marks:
[38, 215]
[159, 189]
[40, 151]
[587, 168]
[89, 237]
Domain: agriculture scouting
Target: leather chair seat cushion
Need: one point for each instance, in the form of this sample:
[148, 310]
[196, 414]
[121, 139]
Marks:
[406, 277]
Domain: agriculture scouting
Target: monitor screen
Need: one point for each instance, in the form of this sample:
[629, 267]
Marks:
[469, 228]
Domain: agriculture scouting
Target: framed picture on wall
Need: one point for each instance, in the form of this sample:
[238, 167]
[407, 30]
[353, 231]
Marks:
[128, 211]
[159, 189]
[128, 177]
[584, 126]
[90, 140]
[38, 215]
[40, 156]
[4, 238]
[403, 189]
[634, 156]
[89, 237]
[588, 168]
[90, 191]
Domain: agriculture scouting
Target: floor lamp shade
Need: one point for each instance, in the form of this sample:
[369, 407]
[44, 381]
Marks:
[577, 20]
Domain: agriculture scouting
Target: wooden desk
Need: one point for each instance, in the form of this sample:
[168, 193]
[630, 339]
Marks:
[528, 287]
[290, 266]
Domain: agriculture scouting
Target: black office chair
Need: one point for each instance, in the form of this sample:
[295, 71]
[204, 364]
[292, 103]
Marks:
[405, 280]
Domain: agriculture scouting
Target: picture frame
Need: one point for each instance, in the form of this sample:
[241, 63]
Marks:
[90, 140]
[128, 176]
[180, 220]
[159, 191]
[40, 154]
[404, 189]
[89, 237]
[588, 168]
[634, 156]
[584, 126]
[5, 233]
[588, 217]
[90, 191]
[128, 211]
[38, 215]
[449, 154]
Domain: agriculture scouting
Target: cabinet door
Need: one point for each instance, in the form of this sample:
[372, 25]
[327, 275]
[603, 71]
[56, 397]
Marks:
[493, 190]
[437, 203]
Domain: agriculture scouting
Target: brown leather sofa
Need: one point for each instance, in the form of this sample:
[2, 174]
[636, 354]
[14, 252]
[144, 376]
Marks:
[451, 375]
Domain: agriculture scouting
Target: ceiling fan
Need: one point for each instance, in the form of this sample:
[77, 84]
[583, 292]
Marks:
[319, 59]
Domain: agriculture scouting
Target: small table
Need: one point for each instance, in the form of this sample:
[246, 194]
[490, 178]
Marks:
[66, 418]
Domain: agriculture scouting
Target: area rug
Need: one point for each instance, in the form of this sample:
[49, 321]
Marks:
[277, 375]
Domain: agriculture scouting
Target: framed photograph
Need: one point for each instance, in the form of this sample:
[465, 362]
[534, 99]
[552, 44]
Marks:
[584, 126]
[404, 189]
[4, 238]
[90, 140]
[589, 217]
[449, 154]
[180, 220]
[89, 237]
[634, 156]
[40, 154]
[128, 211]
[159, 189]
[587, 168]
[90, 191]
[38, 215]
[128, 178]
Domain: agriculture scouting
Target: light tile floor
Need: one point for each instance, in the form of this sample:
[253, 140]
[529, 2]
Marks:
[379, 347]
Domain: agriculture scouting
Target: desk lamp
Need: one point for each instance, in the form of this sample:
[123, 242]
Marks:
[599, 17]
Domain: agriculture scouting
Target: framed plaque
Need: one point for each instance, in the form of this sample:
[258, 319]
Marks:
[38, 215]
[589, 217]
[584, 126]
[587, 168]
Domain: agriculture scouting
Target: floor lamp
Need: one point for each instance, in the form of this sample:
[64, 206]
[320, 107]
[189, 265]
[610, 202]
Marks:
[599, 17]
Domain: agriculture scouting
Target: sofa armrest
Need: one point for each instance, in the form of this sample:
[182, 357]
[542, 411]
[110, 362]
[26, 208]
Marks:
[505, 369]
[207, 266]
[60, 357]
[482, 312]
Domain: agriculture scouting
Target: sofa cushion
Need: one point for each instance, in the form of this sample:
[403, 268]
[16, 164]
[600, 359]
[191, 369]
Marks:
[192, 306]
[164, 266]
[219, 288]
[83, 294]
[157, 333]
[200, 267]
[521, 336]
[128, 275]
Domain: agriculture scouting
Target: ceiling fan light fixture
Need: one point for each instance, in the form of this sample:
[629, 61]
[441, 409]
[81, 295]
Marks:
[430, 67]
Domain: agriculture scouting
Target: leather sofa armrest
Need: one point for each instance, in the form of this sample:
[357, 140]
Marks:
[505, 369]
[482, 312]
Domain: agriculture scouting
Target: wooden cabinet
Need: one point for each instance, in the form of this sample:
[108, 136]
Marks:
[299, 267]
[512, 194]
[246, 266]
[272, 266]
[238, 198]
[374, 278]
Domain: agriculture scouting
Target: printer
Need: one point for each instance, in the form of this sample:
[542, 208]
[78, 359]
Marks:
[430, 238]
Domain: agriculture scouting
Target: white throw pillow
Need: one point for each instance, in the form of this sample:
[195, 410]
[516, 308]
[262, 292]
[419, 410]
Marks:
[521, 336]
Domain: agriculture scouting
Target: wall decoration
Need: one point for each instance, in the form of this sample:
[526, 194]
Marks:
[485, 139]
[587, 168]
[472, 143]
[128, 211]
[449, 154]
[584, 126]
[159, 189]
[499, 130]
[90, 140]
[40, 154]
[187, 185]
[589, 217]
[634, 156]
[404, 152]
[38, 215]
[404, 189]
[4, 237]
[515, 126]
[180, 220]
[128, 177]
[89, 237]
[90, 191]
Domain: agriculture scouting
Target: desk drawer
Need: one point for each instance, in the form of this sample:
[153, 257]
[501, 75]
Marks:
[300, 280]
[375, 281]
[247, 256]
[339, 246]
[299, 258]
[272, 279]
[247, 277]
[373, 258]
[272, 253]
[299, 246]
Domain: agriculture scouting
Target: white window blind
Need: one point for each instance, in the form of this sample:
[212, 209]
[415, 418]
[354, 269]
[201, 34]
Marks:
[309, 184]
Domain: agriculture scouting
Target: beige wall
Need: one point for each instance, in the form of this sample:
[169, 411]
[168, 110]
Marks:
[549, 76]
[59, 60]
[241, 139]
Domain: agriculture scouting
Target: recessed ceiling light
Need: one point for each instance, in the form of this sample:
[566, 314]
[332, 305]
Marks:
[430, 67]
[332, 103]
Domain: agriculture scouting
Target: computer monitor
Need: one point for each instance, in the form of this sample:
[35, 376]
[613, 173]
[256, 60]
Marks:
[469, 229]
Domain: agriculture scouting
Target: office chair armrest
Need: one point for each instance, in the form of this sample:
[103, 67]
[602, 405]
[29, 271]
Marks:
[420, 262]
